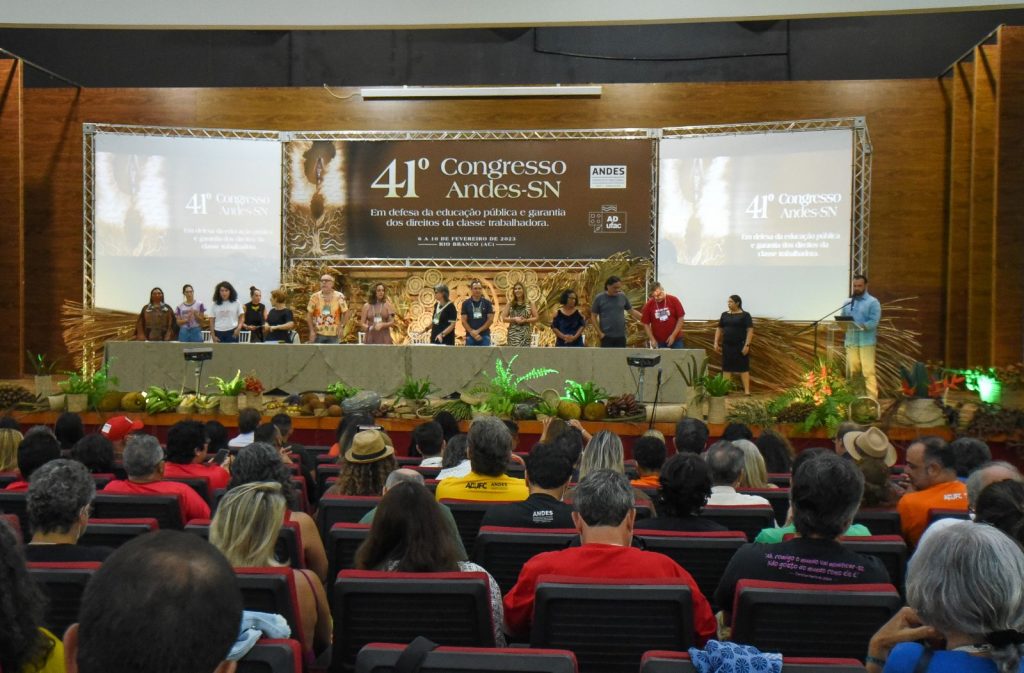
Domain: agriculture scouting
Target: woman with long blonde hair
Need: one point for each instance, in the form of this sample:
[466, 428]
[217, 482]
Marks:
[604, 452]
[245, 529]
[520, 314]
[755, 474]
[9, 441]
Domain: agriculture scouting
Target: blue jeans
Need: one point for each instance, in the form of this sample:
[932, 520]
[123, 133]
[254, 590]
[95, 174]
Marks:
[191, 334]
[676, 345]
[485, 340]
[227, 337]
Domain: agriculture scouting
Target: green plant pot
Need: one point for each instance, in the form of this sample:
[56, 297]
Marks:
[716, 410]
[56, 401]
[228, 405]
[77, 402]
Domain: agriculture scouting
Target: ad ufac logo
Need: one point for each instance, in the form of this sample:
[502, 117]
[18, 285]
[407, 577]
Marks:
[608, 220]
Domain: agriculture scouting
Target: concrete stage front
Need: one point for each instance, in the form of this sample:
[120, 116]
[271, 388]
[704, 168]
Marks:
[297, 368]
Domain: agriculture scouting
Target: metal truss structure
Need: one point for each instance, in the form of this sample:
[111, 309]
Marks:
[536, 134]
[861, 161]
[432, 263]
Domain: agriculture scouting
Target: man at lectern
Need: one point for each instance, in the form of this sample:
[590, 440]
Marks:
[862, 336]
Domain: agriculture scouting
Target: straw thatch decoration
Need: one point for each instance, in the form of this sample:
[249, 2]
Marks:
[87, 329]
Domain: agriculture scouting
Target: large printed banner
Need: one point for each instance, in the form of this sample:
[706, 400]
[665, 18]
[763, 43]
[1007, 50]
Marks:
[468, 199]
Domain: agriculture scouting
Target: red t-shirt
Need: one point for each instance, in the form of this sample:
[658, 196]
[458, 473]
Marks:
[192, 506]
[603, 561]
[662, 316]
[216, 475]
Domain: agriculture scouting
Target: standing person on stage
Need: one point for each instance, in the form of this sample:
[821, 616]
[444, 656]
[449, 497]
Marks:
[226, 314]
[189, 316]
[156, 319]
[442, 326]
[866, 312]
[378, 317]
[568, 323]
[280, 321]
[609, 312]
[733, 337]
[255, 315]
[477, 316]
[326, 313]
[520, 315]
[663, 319]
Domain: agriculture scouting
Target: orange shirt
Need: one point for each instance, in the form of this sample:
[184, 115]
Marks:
[650, 481]
[913, 507]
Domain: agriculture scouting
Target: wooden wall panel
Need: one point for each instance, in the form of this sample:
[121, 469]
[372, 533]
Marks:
[1008, 327]
[12, 299]
[982, 209]
[906, 120]
[960, 91]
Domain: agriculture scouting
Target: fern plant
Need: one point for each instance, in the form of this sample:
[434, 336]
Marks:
[503, 391]
[694, 375]
[414, 389]
[341, 390]
[584, 393]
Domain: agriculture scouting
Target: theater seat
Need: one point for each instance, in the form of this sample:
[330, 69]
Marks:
[164, 508]
[879, 520]
[14, 523]
[778, 497]
[115, 532]
[936, 514]
[811, 620]
[749, 519]
[272, 655]
[382, 657]
[372, 606]
[703, 555]
[8, 478]
[63, 584]
[609, 624]
[891, 550]
[658, 661]
[503, 551]
[271, 590]
[200, 485]
[325, 470]
[289, 540]
[342, 542]
[343, 509]
[468, 514]
[16, 503]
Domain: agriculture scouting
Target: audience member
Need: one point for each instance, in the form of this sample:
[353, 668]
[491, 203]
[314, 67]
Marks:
[428, 438]
[25, 646]
[552, 427]
[262, 462]
[605, 452]
[59, 499]
[454, 462]
[656, 433]
[977, 482]
[513, 431]
[604, 517]
[216, 436]
[68, 430]
[548, 472]
[165, 602]
[691, 436]
[407, 535]
[1002, 505]
[931, 468]
[489, 450]
[871, 443]
[970, 453]
[9, 440]
[755, 474]
[298, 453]
[34, 451]
[248, 421]
[725, 461]
[368, 462]
[776, 534]
[449, 426]
[187, 455]
[685, 487]
[144, 463]
[841, 430]
[406, 474]
[825, 495]
[734, 431]
[650, 454]
[96, 452]
[777, 452]
[245, 529]
[572, 442]
[964, 588]
[348, 426]
[117, 430]
[268, 433]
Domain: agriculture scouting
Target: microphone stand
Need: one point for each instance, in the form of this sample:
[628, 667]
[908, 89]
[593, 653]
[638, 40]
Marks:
[817, 322]
[654, 407]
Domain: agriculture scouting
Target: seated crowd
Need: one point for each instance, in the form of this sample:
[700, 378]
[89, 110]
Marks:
[963, 585]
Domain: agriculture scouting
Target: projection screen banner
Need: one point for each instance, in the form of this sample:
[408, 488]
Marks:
[468, 199]
[766, 216]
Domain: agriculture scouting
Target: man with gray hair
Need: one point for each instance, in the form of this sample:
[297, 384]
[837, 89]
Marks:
[489, 450]
[989, 473]
[725, 460]
[604, 517]
[144, 463]
[59, 497]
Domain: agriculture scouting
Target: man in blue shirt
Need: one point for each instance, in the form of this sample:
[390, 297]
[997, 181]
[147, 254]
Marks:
[477, 316]
[862, 336]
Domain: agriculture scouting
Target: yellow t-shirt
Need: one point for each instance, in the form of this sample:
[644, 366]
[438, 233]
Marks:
[54, 661]
[483, 488]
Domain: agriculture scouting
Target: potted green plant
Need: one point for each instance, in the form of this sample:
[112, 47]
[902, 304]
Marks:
[716, 387]
[923, 391]
[503, 395]
[84, 388]
[206, 405]
[590, 397]
[411, 396]
[43, 369]
[228, 392]
[693, 374]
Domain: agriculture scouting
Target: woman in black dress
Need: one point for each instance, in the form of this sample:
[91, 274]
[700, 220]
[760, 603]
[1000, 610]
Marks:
[567, 323]
[442, 325]
[255, 315]
[732, 339]
[280, 320]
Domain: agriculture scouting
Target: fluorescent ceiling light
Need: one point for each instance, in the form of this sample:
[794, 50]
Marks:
[478, 91]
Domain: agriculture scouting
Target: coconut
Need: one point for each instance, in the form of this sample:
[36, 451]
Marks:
[595, 411]
[330, 400]
[111, 401]
[133, 402]
[568, 410]
[334, 410]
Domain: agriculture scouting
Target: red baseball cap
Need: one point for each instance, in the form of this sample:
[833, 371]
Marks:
[118, 427]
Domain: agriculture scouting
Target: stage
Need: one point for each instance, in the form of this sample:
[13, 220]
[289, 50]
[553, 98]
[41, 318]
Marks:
[296, 368]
